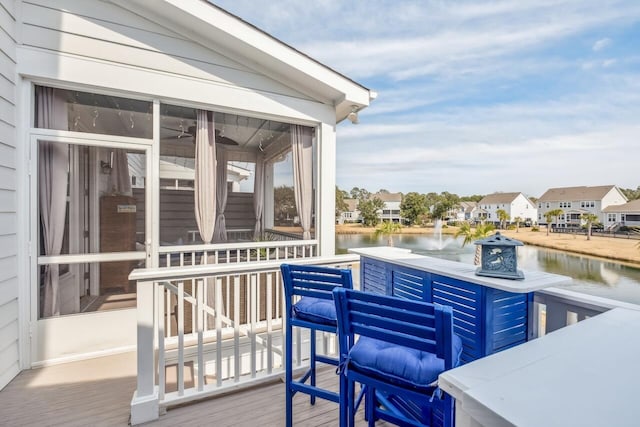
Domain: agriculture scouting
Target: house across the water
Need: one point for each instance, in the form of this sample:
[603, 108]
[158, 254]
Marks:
[576, 201]
[514, 204]
[627, 214]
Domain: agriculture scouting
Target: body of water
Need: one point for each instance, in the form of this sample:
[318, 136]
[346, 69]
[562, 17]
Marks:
[592, 276]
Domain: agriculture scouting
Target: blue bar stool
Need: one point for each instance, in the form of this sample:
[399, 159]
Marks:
[401, 349]
[309, 304]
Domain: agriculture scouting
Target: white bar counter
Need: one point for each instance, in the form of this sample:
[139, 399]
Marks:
[533, 280]
[586, 374]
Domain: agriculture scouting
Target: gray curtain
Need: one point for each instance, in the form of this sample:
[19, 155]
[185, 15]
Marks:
[119, 179]
[53, 176]
[205, 176]
[302, 152]
[258, 196]
[221, 197]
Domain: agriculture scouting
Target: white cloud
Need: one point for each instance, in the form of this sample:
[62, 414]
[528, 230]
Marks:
[601, 44]
[469, 41]
[476, 96]
[530, 166]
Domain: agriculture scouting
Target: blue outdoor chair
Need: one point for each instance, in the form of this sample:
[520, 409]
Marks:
[402, 347]
[309, 304]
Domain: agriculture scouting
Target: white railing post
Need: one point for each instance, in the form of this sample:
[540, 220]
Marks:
[144, 405]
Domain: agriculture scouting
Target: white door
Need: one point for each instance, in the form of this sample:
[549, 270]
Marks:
[90, 227]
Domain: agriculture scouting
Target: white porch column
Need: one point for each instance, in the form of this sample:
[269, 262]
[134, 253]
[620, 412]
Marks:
[144, 405]
[326, 187]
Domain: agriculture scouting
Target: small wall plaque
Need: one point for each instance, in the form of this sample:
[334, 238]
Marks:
[126, 208]
[499, 257]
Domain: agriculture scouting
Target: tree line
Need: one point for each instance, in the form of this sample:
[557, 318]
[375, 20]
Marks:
[630, 193]
[415, 208]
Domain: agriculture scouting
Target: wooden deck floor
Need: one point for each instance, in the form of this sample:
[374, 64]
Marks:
[98, 392]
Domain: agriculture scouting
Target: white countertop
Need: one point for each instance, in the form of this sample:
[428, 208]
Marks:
[586, 374]
[533, 280]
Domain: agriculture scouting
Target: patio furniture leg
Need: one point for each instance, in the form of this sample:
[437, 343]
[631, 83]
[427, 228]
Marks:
[352, 408]
[369, 404]
[344, 401]
[289, 375]
[312, 367]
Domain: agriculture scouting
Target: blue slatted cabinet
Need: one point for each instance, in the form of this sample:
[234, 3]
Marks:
[487, 317]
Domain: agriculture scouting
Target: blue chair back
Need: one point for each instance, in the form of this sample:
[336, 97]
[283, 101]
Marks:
[312, 281]
[398, 380]
[415, 324]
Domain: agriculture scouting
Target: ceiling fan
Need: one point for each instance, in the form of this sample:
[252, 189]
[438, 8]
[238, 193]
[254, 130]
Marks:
[190, 132]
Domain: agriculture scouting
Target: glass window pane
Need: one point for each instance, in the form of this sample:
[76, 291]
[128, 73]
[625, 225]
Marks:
[91, 287]
[286, 216]
[88, 203]
[238, 139]
[177, 173]
[240, 176]
[94, 113]
[86, 194]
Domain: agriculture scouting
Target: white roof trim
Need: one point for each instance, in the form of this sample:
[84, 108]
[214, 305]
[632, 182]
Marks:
[223, 32]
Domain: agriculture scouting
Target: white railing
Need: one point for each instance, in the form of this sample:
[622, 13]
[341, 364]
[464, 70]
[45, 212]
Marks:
[270, 234]
[556, 308]
[240, 234]
[239, 252]
[209, 329]
[613, 227]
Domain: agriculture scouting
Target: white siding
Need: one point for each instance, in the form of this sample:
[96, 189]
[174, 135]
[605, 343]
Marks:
[9, 353]
[613, 198]
[103, 31]
[523, 208]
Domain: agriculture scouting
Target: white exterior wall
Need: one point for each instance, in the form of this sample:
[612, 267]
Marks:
[390, 206]
[523, 208]
[350, 216]
[99, 46]
[459, 214]
[492, 209]
[520, 206]
[543, 209]
[9, 289]
[612, 198]
[621, 218]
[575, 206]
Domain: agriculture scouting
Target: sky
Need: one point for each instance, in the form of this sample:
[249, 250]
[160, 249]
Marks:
[476, 97]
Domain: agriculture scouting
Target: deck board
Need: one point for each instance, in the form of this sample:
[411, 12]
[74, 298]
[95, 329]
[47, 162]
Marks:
[98, 392]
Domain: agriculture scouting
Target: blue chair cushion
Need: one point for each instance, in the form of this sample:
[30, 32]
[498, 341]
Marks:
[316, 310]
[403, 366]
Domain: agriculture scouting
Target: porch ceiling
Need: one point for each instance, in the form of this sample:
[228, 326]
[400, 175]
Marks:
[244, 133]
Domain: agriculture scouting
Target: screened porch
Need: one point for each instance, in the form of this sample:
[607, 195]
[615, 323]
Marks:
[135, 183]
